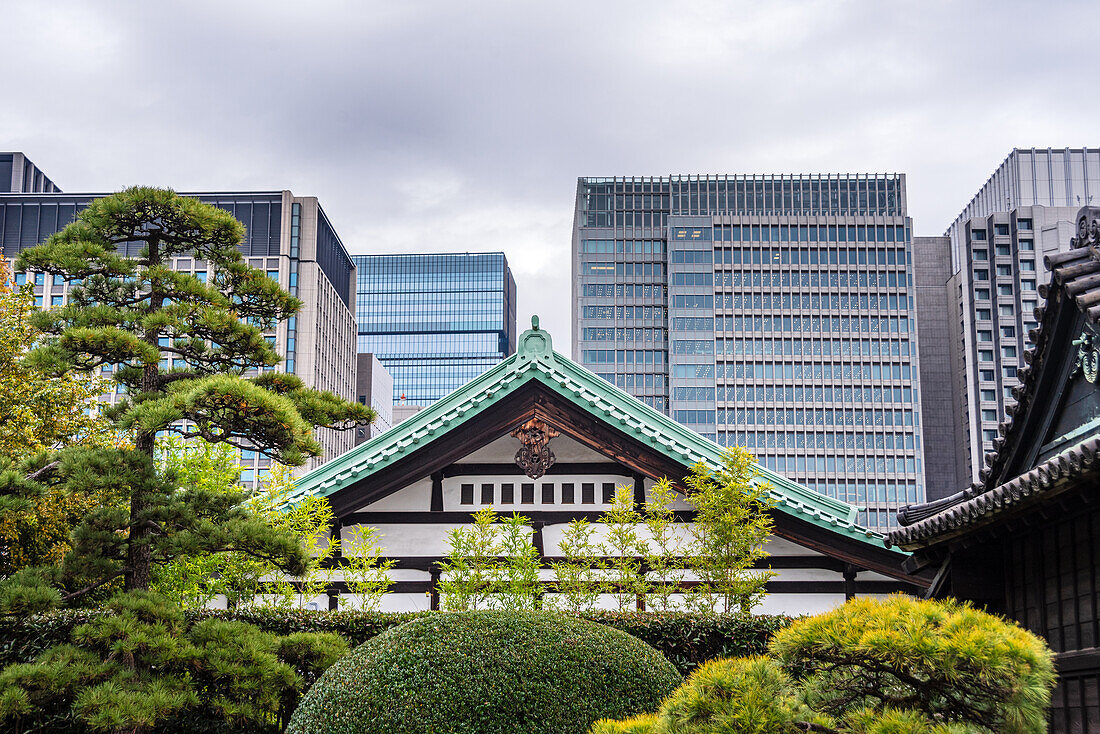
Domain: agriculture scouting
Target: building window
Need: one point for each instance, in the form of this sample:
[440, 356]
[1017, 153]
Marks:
[608, 492]
[988, 395]
[1027, 245]
[985, 335]
[1000, 229]
[1023, 224]
[467, 494]
[487, 494]
[527, 493]
[507, 494]
[986, 375]
[567, 497]
[1004, 270]
[985, 355]
[588, 493]
[548, 493]
[981, 254]
[981, 274]
[989, 415]
[989, 434]
[984, 314]
[977, 234]
[981, 294]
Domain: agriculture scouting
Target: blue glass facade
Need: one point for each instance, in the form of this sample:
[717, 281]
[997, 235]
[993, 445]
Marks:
[435, 321]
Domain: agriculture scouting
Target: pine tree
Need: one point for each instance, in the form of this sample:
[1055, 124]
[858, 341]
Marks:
[182, 350]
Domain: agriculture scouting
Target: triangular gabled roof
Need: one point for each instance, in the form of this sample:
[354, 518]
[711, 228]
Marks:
[536, 361]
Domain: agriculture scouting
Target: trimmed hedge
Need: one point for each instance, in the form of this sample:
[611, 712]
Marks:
[489, 672]
[688, 640]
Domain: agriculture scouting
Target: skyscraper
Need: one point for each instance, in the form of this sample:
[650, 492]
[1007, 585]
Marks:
[771, 312]
[288, 236]
[435, 322]
[1024, 211]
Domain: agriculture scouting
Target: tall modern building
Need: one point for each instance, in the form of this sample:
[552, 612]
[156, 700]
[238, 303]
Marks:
[771, 312]
[435, 322]
[18, 175]
[288, 236]
[1025, 210]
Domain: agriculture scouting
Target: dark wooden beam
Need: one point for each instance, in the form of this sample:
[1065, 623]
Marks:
[437, 492]
[430, 563]
[774, 587]
[465, 469]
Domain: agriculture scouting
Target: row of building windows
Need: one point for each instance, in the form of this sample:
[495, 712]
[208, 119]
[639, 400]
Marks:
[822, 347]
[626, 313]
[808, 324]
[796, 279]
[847, 464]
[810, 417]
[794, 371]
[610, 333]
[765, 441]
[550, 493]
[764, 194]
[624, 247]
[772, 394]
[982, 255]
[624, 356]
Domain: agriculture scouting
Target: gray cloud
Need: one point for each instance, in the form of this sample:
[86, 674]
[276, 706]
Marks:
[446, 126]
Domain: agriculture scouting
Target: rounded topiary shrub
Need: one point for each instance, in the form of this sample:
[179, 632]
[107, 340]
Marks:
[489, 673]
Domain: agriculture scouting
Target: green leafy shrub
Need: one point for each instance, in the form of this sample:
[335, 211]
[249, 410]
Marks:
[686, 639]
[945, 660]
[893, 666]
[487, 672]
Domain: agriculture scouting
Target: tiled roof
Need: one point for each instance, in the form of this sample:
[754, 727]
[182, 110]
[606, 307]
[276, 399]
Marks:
[1074, 275]
[534, 360]
[968, 512]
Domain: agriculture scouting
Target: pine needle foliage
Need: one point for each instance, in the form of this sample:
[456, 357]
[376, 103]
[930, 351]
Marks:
[893, 666]
[182, 349]
[143, 665]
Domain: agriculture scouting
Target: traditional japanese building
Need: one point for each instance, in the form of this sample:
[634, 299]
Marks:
[1024, 540]
[540, 435]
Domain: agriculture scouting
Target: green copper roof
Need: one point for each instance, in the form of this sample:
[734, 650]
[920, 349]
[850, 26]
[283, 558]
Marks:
[535, 359]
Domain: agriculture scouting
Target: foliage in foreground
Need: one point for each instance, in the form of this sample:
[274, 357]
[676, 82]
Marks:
[179, 348]
[898, 666]
[630, 554]
[144, 664]
[686, 639]
[487, 671]
[191, 581]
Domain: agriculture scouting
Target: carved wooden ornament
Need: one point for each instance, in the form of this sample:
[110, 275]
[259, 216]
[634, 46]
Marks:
[535, 456]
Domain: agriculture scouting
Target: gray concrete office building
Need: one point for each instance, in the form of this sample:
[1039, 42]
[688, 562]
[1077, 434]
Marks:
[771, 312]
[287, 236]
[1025, 210]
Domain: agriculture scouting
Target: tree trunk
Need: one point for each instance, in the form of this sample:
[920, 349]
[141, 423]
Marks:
[139, 553]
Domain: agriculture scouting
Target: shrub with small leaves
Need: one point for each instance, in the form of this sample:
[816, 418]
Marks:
[487, 672]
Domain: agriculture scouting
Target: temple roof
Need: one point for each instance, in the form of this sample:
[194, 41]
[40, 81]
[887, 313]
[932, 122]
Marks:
[536, 361]
[1072, 295]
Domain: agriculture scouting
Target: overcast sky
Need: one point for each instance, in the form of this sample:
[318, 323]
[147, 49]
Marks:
[448, 126]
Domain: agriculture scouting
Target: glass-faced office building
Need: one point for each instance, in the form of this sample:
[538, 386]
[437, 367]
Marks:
[288, 236]
[435, 321]
[770, 312]
[1025, 210]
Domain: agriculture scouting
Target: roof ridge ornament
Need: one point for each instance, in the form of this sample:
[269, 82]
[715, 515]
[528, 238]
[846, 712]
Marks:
[1088, 356]
[535, 343]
